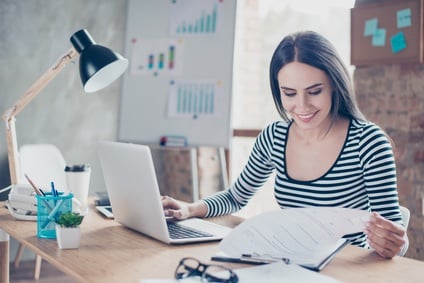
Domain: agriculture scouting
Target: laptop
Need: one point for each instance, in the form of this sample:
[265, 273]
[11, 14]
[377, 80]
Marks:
[134, 195]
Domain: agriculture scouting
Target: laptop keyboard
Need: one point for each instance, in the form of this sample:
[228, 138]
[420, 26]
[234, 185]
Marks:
[177, 231]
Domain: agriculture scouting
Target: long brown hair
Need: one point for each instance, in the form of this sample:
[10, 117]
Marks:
[311, 48]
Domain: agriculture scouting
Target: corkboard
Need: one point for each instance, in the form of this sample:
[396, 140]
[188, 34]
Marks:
[365, 50]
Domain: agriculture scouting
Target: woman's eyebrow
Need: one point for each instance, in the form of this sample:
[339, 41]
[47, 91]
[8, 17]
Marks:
[314, 85]
[307, 88]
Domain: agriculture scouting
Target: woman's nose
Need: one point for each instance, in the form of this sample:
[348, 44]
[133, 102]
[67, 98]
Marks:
[302, 100]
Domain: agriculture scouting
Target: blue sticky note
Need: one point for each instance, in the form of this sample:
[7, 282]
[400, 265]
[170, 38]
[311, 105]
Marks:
[371, 27]
[379, 37]
[404, 18]
[398, 42]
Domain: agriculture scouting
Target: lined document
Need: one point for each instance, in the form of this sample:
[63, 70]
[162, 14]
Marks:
[306, 236]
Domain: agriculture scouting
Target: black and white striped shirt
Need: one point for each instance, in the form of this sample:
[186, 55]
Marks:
[362, 177]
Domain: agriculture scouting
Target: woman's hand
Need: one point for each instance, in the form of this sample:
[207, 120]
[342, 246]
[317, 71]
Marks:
[384, 236]
[174, 208]
[181, 210]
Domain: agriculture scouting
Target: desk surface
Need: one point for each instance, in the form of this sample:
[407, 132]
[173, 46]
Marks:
[110, 252]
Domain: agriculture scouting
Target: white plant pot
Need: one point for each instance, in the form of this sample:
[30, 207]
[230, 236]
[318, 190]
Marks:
[68, 238]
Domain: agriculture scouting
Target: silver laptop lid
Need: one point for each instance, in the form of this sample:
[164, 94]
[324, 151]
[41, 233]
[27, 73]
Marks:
[134, 194]
[132, 187]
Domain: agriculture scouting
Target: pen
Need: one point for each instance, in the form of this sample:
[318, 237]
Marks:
[54, 192]
[268, 258]
[238, 260]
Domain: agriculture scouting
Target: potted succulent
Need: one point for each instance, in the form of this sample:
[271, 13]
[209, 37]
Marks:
[68, 232]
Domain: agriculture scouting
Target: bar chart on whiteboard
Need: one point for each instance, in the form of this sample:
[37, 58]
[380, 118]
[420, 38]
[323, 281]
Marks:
[195, 99]
[194, 17]
[179, 82]
[156, 56]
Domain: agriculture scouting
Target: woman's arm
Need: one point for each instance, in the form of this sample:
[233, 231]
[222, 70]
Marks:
[254, 175]
[385, 232]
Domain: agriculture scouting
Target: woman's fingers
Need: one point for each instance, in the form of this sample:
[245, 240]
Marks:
[169, 203]
[384, 236]
[173, 208]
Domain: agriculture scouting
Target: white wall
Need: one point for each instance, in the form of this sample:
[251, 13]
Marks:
[33, 35]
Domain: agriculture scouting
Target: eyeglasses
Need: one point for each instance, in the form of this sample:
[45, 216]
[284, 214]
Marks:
[189, 266]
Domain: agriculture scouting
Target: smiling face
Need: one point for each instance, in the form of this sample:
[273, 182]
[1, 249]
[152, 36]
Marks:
[306, 95]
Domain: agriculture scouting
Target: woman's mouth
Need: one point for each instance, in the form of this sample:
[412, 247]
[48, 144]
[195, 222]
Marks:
[306, 117]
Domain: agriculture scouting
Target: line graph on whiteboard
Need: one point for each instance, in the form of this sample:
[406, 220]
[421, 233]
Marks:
[195, 99]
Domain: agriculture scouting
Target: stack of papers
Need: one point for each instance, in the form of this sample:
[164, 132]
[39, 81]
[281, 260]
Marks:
[306, 236]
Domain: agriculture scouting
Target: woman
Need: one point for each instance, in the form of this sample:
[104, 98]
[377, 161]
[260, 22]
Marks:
[324, 151]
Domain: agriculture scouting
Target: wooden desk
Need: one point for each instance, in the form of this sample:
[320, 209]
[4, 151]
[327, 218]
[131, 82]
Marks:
[112, 253]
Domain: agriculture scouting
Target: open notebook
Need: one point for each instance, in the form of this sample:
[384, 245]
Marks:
[134, 194]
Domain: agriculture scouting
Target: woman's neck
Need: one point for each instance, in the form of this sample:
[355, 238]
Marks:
[319, 133]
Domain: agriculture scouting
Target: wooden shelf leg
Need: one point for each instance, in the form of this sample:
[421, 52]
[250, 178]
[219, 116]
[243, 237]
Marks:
[4, 257]
[37, 269]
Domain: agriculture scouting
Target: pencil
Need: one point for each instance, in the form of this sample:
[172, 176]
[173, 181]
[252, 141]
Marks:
[37, 191]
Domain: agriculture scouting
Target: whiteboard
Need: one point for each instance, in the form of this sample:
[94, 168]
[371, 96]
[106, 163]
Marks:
[179, 81]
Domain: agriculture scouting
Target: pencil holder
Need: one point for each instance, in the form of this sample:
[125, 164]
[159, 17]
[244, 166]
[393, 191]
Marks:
[49, 208]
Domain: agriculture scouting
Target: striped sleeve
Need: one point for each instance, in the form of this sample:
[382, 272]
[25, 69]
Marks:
[255, 173]
[379, 170]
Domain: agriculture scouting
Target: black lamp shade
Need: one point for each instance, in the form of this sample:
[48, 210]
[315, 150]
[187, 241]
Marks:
[99, 66]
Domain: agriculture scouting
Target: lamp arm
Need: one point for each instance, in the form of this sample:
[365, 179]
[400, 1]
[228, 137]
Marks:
[40, 84]
[9, 115]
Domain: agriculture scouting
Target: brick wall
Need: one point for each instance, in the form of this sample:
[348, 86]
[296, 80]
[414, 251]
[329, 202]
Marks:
[393, 97]
[174, 167]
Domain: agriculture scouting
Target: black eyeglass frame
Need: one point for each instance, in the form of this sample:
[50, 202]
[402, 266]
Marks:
[200, 270]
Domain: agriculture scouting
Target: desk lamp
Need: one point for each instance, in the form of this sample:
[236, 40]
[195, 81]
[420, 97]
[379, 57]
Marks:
[98, 65]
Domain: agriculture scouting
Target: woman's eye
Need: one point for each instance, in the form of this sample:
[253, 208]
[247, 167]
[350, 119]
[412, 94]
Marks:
[286, 93]
[315, 92]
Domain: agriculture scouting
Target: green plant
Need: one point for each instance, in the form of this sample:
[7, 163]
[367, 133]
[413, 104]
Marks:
[69, 219]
